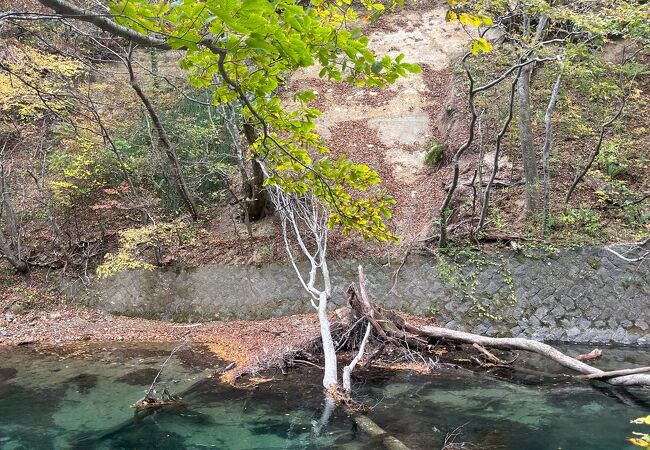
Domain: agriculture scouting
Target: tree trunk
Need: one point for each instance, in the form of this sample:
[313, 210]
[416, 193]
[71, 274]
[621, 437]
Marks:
[258, 201]
[18, 264]
[528, 153]
[10, 245]
[175, 166]
[531, 346]
[371, 428]
[548, 141]
[330, 376]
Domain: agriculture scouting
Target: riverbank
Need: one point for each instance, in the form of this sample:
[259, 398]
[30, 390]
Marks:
[252, 345]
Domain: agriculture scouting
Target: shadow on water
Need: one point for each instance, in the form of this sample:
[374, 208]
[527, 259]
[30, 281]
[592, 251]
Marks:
[83, 403]
[139, 377]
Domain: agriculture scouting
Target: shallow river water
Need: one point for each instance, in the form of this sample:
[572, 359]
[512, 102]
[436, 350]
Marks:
[78, 398]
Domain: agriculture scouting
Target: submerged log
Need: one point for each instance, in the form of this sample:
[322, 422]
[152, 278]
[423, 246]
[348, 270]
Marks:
[368, 426]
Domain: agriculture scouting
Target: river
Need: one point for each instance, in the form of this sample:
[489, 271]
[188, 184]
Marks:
[78, 398]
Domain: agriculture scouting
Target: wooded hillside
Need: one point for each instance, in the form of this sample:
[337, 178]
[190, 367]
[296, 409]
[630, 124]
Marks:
[528, 126]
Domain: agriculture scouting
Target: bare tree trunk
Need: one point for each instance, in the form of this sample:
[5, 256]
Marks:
[528, 153]
[548, 141]
[497, 152]
[347, 370]
[302, 216]
[531, 346]
[10, 245]
[330, 375]
[174, 162]
[526, 138]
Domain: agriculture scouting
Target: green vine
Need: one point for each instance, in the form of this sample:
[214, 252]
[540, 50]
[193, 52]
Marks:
[538, 251]
[452, 266]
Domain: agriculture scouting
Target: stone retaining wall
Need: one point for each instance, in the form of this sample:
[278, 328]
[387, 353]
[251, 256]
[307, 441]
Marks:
[578, 295]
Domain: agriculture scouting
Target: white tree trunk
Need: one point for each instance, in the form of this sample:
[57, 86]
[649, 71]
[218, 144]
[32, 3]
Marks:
[330, 377]
[347, 370]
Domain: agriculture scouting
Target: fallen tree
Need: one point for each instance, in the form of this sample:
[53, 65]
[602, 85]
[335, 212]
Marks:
[392, 328]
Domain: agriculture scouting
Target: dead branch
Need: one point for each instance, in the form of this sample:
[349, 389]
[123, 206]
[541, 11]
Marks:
[347, 370]
[487, 354]
[632, 379]
[636, 246]
[615, 373]
[601, 136]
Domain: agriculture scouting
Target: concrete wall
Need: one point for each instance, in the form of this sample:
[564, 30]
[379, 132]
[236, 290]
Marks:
[578, 295]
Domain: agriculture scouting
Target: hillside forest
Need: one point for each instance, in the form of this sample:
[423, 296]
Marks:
[119, 154]
[139, 134]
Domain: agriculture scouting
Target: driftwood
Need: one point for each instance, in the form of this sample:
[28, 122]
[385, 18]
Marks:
[625, 379]
[150, 402]
[387, 322]
[531, 346]
[594, 354]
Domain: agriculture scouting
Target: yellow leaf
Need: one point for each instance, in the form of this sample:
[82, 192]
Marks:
[451, 16]
[642, 420]
[474, 20]
[639, 442]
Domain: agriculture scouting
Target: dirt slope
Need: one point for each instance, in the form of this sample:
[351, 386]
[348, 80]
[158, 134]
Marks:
[389, 129]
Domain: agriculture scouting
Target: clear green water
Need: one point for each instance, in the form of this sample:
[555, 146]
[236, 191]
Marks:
[50, 400]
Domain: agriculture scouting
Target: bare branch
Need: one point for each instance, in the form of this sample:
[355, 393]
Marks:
[596, 152]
